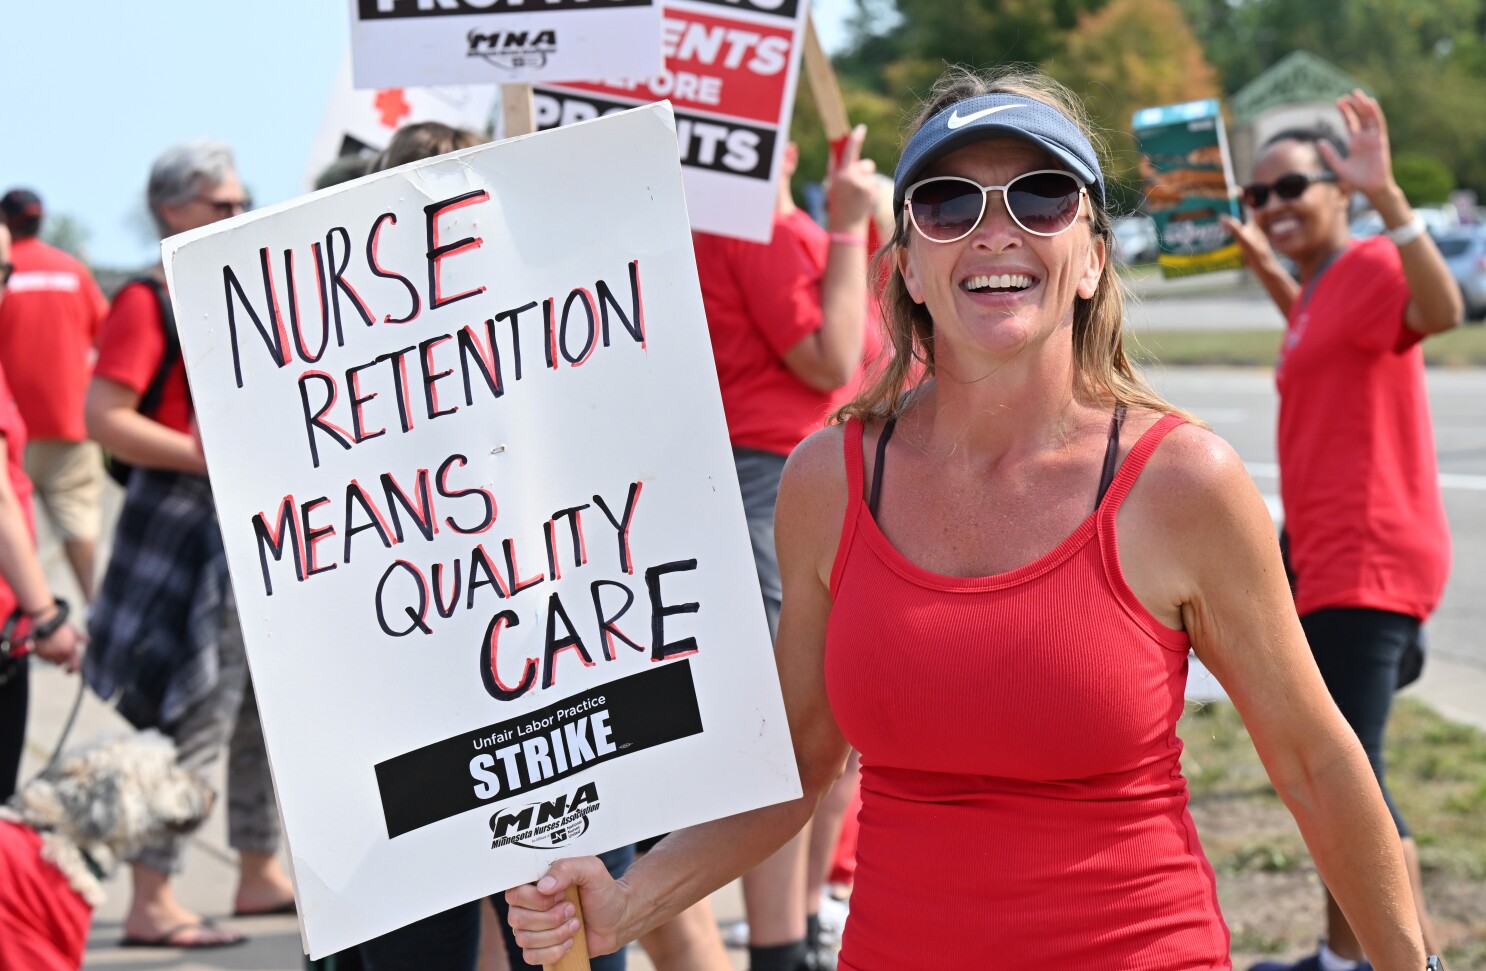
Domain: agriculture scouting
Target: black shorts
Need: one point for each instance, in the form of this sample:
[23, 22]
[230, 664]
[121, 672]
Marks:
[1359, 652]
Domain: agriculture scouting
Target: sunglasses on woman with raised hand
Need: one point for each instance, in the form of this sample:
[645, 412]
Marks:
[1288, 187]
[947, 208]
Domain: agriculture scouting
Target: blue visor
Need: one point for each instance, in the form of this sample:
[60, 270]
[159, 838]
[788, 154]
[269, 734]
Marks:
[987, 115]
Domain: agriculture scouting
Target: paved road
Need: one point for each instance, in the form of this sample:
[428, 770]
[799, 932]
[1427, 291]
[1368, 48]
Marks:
[1220, 301]
[1227, 311]
[1240, 405]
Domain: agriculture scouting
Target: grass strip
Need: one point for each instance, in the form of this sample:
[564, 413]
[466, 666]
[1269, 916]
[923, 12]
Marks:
[1267, 884]
[1461, 347]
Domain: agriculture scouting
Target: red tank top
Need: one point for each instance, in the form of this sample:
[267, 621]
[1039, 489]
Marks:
[1022, 797]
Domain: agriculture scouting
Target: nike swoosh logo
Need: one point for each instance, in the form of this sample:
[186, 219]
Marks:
[955, 121]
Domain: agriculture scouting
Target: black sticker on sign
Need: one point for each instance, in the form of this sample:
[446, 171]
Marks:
[708, 143]
[541, 747]
[780, 8]
[387, 9]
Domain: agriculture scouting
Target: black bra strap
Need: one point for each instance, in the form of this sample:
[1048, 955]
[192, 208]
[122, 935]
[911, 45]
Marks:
[1106, 478]
[876, 493]
[1111, 453]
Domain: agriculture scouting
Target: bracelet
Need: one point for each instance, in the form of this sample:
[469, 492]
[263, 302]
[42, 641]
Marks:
[849, 239]
[1408, 232]
[42, 631]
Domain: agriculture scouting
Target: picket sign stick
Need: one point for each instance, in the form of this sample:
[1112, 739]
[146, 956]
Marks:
[518, 114]
[825, 87]
[577, 958]
[832, 108]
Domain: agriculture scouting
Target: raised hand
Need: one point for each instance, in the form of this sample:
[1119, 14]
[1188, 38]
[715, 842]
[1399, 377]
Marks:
[1368, 168]
[545, 923]
[853, 186]
[1250, 239]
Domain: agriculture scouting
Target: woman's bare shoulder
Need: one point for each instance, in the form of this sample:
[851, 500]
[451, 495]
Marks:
[813, 495]
[1195, 485]
[816, 469]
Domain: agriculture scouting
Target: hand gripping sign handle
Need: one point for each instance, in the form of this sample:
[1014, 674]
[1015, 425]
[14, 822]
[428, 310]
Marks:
[577, 958]
[826, 91]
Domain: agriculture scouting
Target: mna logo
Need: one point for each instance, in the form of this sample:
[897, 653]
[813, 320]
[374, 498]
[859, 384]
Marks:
[511, 50]
[544, 825]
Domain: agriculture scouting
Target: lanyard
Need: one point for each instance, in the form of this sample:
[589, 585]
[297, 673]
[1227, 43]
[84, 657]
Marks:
[1310, 285]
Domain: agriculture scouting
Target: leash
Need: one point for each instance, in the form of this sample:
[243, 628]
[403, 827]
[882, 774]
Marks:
[77, 704]
[14, 649]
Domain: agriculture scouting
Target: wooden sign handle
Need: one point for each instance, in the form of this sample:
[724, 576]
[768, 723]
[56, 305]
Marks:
[518, 115]
[824, 86]
[832, 107]
[577, 958]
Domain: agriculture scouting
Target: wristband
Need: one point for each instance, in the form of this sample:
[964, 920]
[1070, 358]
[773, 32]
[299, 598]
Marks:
[41, 632]
[849, 239]
[1408, 232]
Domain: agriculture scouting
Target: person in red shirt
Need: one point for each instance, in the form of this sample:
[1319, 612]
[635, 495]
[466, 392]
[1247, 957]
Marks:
[26, 603]
[1368, 541]
[995, 606]
[47, 331]
[164, 626]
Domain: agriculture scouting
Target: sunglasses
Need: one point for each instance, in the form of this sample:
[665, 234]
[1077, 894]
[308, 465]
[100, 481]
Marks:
[947, 208]
[226, 208]
[1288, 187]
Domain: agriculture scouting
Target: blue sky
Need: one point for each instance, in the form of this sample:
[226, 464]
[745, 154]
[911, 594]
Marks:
[95, 89]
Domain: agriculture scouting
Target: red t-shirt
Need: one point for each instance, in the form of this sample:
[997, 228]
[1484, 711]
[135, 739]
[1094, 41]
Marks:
[762, 299]
[13, 431]
[48, 322]
[43, 921]
[1357, 464]
[131, 345]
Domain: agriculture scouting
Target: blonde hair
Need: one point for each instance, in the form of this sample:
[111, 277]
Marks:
[1102, 371]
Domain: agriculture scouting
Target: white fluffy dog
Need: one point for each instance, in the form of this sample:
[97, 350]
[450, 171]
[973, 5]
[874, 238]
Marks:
[100, 804]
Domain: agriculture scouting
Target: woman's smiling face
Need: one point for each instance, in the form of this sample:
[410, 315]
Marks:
[1302, 227]
[1000, 287]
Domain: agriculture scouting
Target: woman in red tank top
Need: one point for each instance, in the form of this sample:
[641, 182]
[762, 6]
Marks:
[992, 578]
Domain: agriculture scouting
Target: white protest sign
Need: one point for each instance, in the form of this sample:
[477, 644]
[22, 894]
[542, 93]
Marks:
[482, 520]
[363, 122]
[731, 68]
[420, 42]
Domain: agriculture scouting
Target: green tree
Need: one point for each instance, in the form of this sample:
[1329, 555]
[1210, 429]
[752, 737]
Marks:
[1118, 55]
[1132, 54]
[1424, 59]
[900, 47]
[1424, 180]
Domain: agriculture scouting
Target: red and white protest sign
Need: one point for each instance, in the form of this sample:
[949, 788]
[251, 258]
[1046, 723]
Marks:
[730, 72]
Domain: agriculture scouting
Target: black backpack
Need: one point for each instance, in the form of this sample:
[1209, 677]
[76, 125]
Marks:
[119, 470]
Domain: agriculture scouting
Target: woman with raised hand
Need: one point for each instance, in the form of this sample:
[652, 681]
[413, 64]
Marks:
[1368, 541]
[992, 577]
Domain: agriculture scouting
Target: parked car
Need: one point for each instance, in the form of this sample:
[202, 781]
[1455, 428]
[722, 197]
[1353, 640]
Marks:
[1135, 239]
[1438, 221]
[1464, 250]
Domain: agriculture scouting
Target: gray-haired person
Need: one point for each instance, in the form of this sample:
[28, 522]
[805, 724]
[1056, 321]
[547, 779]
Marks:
[164, 628]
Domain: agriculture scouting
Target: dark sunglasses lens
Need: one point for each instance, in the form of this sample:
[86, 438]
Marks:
[946, 209]
[1044, 202]
[1292, 186]
[1255, 196]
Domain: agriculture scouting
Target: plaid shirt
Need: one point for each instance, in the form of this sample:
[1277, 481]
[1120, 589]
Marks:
[155, 624]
